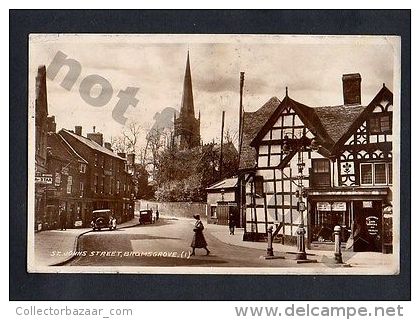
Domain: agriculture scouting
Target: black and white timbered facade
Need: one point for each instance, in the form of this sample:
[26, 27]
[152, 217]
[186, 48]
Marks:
[347, 172]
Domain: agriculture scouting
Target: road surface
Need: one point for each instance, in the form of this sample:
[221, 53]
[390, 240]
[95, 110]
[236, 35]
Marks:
[165, 244]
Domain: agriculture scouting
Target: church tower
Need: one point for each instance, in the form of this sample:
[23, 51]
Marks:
[186, 126]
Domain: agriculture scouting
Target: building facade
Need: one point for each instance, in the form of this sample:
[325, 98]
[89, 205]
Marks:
[186, 126]
[107, 184]
[344, 154]
[222, 202]
[42, 122]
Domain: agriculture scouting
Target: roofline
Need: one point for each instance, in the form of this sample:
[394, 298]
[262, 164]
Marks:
[318, 132]
[362, 117]
[72, 149]
[113, 155]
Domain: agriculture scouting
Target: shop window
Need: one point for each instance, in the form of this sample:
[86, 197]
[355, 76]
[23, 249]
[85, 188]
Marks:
[381, 124]
[375, 173]
[321, 176]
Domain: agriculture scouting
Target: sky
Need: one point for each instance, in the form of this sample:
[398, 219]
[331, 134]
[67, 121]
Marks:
[311, 68]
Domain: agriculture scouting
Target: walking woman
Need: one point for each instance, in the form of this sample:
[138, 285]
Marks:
[198, 240]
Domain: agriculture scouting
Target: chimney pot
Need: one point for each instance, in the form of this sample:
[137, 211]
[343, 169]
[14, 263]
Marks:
[352, 88]
[108, 146]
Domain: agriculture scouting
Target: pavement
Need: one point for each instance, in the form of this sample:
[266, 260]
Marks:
[55, 247]
[350, 258]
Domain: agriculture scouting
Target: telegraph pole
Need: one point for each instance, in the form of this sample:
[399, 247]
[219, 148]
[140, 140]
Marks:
[221, 145]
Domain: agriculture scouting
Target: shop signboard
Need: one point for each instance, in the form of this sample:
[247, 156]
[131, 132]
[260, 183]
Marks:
[323, 206]
[338, 206]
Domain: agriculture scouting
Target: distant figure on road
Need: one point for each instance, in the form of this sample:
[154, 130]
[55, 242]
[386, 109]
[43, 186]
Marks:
[63, 219]
[157, 215]
[198, 240]
[232, 224]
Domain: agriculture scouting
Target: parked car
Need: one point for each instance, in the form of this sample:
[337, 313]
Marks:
[102, 219]
[146, 216]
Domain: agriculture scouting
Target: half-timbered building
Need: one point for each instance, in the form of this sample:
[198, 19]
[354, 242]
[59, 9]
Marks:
[346, 170]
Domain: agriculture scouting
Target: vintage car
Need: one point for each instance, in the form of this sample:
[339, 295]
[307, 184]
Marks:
[102, 219]
[146, 216]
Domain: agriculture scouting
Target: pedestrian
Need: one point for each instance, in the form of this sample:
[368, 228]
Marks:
[198, 240]
[63, 219]
[157, 215]
[232, 224]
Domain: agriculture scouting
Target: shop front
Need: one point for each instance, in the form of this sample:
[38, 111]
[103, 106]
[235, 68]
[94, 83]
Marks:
[361, 215]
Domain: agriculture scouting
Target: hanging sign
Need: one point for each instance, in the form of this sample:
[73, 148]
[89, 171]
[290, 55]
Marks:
[338, 206]
[323, 206]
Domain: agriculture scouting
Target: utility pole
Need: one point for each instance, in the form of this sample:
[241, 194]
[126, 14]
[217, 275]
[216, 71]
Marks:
[221, 146]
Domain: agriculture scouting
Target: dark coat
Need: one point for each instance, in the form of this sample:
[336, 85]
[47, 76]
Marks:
[198, 240]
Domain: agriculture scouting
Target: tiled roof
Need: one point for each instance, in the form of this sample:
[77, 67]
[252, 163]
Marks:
[252, 124]
[92, 144]
[337, 120]
[60, 149]
[227, 183]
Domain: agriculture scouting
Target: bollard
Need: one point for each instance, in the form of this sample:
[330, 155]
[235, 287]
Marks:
[270, 241]
[337, 241]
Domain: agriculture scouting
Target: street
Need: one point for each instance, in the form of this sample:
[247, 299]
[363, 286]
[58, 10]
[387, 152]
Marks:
[165, 244]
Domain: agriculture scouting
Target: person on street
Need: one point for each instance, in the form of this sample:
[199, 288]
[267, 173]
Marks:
[232, 224]
[63, 219]
[198, 240]
[157, 215]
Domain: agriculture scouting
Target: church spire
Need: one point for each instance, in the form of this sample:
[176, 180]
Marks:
[187, 103]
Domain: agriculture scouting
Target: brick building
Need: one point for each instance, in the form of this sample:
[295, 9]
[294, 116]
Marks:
[105, 182]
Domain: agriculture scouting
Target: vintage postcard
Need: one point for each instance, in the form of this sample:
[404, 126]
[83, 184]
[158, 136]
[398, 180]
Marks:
[214, 154]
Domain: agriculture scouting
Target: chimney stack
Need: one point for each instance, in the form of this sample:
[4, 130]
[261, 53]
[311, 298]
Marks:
[121, 154]
[51, 125]
[352, 88]
[78, 130]
[108, 146]
[97, 137]
[130, 159]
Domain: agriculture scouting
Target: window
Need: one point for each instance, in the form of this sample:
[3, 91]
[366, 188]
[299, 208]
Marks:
[375, 173]
[213, 212]
[380, 173]
[321, 176]
[82, 188]
[366, 173]
[118, 186]
[82, 168]
[69, 184]
[259, 185]
[96, 183]
[381, 123]
[96, 159]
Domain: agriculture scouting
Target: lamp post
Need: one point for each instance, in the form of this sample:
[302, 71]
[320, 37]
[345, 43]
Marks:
[300, 145]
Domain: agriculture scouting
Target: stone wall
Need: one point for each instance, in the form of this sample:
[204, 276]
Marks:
[174, 209]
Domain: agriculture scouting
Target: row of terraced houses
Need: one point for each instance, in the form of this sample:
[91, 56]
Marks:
[76, 174]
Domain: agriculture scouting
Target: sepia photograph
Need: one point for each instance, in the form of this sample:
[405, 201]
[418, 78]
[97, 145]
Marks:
[214, 154]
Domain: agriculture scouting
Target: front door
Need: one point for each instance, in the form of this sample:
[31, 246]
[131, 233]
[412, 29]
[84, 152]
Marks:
[367, 229]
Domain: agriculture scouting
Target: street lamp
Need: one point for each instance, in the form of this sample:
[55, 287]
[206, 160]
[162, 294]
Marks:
[300, 145]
